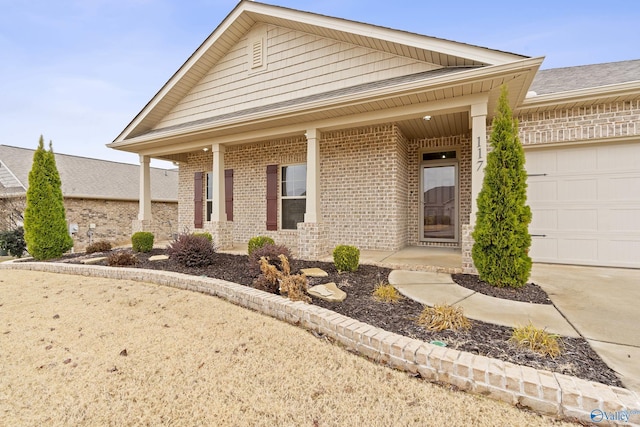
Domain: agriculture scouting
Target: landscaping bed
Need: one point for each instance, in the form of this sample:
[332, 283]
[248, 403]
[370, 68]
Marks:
[578, 358]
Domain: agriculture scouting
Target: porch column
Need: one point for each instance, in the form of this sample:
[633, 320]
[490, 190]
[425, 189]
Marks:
[144, 209]
[312, 234]
[478, 153]
[313, 178]
[218, 213]
[221, 229]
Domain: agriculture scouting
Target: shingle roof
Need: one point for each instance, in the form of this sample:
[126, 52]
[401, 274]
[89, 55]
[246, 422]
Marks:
[585, 76]
[87, 178]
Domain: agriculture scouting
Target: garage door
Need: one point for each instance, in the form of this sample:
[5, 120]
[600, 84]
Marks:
[585, 202]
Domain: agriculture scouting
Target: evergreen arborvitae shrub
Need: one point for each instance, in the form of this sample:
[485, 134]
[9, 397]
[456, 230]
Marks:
[258, 242]
[501, 249]
[346, 258]
[142, 241]
[45, 224]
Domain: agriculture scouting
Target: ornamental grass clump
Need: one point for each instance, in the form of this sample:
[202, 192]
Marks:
[538, 340]
[346, 258]
[441, 317]
[385, 292]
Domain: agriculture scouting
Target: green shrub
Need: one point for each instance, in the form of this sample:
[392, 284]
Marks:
[501, 235]
[45, 224]
[13, 242]
[271, 253]
[142, 241]
[258, 242]
[122, 259]
[204, 234]
[99, 246]
[191, 250]
[346, 258]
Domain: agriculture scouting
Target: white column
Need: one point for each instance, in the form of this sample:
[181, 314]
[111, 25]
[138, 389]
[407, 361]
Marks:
[144, 209]
[313, 178]
[218, 213]
[478, 153]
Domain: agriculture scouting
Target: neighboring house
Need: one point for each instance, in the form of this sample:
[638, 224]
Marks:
[320, 131]
[100, 197]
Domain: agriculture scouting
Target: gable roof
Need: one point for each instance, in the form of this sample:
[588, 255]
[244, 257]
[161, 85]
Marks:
[451, 57]
[86, 178]
[565, 79]
[582, 86]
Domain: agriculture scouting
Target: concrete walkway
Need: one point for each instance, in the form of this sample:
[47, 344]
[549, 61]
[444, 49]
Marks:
[598, 304]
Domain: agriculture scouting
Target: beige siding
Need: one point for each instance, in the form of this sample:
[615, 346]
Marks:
[297, 65]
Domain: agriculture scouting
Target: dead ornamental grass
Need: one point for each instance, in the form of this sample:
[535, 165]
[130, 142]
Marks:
[194, 360]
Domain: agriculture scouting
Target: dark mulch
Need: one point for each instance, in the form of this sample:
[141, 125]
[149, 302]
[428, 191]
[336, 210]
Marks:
[486, 339]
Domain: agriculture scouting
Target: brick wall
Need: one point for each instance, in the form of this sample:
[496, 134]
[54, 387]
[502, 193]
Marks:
[113, 220]
[601, 121]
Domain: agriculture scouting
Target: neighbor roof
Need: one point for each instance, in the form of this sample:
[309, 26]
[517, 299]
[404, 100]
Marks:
[566, 79]
[86, 178]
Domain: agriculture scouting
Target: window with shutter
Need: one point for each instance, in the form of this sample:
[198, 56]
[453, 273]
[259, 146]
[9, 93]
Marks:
[272, 197]
[197, 199]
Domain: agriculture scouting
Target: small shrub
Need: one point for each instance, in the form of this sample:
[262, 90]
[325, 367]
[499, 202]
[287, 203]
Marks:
[13, 242]
[191, 250]
[99, 246]
[122, 259]
[271, 253]
[282, 281]
[384, 292]
[142, 241]
[258, 242]
[441, 317]
[204, 234]
[346, 258]
[538, 340]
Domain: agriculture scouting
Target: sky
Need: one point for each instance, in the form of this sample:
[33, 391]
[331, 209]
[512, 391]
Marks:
[78, 71]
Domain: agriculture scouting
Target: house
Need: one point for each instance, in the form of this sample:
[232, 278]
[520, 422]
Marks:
[100, 197]
[320, 131]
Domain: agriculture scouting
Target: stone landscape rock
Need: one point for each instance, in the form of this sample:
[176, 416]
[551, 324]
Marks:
[93, 260]
[328, 292]
[158, 258]
[314, 272]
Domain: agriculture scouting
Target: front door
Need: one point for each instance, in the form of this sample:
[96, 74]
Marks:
[439, 213]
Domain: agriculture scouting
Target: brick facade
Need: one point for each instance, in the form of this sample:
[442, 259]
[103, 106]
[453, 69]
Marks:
[113, 220]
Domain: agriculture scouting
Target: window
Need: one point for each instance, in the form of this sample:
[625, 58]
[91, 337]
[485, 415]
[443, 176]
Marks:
[209, 198]
[293, 195]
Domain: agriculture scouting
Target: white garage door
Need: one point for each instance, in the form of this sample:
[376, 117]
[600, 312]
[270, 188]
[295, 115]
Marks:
[586, 204]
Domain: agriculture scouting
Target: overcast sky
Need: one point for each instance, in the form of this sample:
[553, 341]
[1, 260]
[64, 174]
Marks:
[79, 71]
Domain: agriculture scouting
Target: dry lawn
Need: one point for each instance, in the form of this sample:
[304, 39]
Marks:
[192, 359]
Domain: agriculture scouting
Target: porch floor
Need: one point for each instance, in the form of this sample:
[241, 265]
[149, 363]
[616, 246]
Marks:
[421, 258]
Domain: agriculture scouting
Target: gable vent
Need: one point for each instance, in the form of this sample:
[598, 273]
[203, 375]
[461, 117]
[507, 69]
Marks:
[257, 53]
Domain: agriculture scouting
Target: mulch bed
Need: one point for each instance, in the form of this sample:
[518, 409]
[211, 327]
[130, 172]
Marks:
[578, 358]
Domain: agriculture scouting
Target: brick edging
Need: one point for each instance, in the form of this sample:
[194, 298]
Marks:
[545, 392]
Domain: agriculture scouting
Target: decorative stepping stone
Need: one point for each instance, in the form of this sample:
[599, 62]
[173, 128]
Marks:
[93, 260]
[158, 257]
[314, 272]
[328, 292]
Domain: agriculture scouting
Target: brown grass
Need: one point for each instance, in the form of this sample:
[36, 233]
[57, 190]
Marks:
[443, 316]
[192, 359]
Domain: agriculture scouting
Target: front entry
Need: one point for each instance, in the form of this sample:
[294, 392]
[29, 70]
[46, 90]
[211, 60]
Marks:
[439, 213]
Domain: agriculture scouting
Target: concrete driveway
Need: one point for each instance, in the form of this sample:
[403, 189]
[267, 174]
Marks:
[603, 305]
